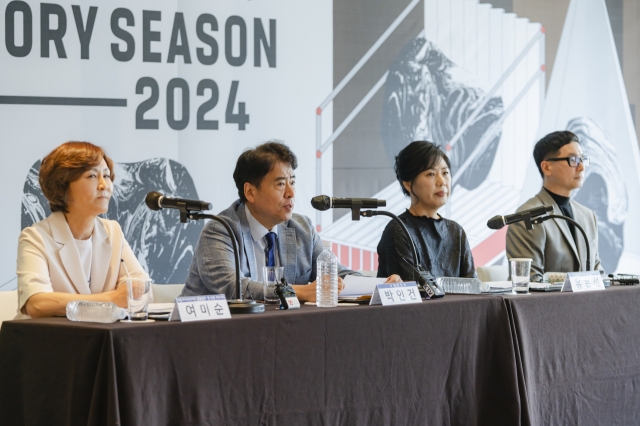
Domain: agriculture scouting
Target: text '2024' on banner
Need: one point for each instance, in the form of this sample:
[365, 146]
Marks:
[53, 30]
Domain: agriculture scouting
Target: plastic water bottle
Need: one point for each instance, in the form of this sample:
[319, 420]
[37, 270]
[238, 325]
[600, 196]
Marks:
[84, 311]
[327, 278]
[460, 285]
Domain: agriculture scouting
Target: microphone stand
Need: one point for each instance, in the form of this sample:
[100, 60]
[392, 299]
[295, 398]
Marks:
[529, 222]
[371, 213]
[425, 279]
[236, 306]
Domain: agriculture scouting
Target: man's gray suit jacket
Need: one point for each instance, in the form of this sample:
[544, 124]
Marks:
[550, 245]
[213, 271]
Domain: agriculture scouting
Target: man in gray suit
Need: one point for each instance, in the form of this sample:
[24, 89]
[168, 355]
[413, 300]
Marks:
[266, 229]
[555, 245]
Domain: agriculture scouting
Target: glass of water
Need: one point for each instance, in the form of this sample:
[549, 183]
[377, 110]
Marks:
[138, 298]
[520, 269]
[270, 276]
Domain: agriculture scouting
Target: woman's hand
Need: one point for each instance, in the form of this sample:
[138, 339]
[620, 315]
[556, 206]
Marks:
[119, 295]
[49, 304]
[394, 279]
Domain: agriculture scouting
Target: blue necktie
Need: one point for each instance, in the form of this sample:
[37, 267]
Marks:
[271, 243]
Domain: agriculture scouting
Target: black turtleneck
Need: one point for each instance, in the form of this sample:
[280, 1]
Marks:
[565, 208]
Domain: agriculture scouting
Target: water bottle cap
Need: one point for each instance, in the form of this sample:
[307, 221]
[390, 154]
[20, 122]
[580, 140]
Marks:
[121, 313]
[326, 245]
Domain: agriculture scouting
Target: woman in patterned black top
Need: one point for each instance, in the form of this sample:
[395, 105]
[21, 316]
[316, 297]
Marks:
[424, 173]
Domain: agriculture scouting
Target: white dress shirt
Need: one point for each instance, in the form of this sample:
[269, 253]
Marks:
[258, 234]
[85, 250]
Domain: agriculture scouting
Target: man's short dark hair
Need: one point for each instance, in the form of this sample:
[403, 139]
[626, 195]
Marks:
[255, 163]
[548, 146]
[415, 158]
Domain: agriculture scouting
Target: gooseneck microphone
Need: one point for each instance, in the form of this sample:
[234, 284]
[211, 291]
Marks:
[156, 201]
[323, 202]
[188, 211]
[536, 216]
[426, 283]
[498, 222]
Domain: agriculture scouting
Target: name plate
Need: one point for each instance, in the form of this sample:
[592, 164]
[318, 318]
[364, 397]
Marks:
[583, 281]
[199, 308]
[292, 303]
[396, 294]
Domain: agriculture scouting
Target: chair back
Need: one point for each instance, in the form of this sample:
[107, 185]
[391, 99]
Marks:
[493, 273]
[166, 293]
[8, 305]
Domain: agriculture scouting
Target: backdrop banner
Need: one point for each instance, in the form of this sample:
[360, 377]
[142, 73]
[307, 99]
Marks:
[176, 90]
[586, 95]
[472, 79]
[173, 90]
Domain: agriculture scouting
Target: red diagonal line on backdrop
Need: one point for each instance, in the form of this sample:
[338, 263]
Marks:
[489, 248]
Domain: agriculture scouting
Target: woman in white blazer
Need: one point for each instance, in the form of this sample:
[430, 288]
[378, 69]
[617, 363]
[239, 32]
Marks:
[73, 254]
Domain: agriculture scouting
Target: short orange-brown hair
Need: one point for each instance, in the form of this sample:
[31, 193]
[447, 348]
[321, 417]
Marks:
[66, 164]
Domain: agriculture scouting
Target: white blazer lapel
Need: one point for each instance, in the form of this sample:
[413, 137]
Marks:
[69, 255]
[100, 257]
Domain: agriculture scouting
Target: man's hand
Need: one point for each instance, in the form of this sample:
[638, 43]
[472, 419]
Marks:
[307, 292]
[393, 279]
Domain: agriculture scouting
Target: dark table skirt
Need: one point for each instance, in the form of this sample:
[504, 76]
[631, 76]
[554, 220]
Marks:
[579, 356]
[442, 362]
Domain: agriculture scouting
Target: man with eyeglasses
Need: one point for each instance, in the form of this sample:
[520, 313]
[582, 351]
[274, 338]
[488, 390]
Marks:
[556, 245]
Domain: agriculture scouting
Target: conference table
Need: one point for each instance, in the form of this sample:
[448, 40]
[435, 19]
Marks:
[570, 358]
[578, 356]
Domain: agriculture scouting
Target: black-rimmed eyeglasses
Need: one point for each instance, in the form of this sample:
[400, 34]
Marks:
[572, 160]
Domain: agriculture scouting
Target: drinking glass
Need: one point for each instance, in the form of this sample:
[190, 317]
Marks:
[520, 268]
[138, 298]
[270, 276]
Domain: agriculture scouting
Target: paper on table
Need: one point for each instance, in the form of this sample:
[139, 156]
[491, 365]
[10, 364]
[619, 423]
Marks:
[357, 286]
[495, 287]
[499, 284]
[160, 308]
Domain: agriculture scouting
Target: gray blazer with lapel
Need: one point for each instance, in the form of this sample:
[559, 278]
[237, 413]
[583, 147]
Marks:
[550, 245]
[212, 270]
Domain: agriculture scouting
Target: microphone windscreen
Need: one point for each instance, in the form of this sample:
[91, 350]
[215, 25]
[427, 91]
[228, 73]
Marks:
[152, 200]
[496, 222]
[321, 202]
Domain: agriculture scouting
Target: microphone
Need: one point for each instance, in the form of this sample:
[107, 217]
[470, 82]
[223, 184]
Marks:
[156, 201]
[426, 281]
[498, 222]
[323, 202]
